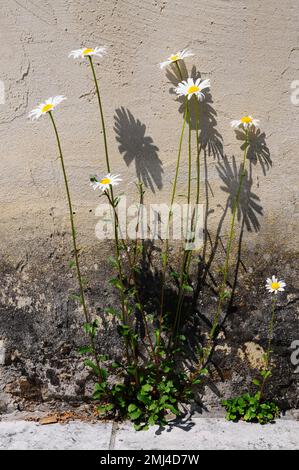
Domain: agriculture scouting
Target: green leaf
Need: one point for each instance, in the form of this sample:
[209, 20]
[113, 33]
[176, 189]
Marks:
[182, 338]
[124, 330]
[116, 365]
[164, 258]
[103, 357]
[76, 297]
[138, 427]
[196, 381]
[135, 414]
[256, 382]
[174, 275]
[91, 328]
[105, 408]
[113, 311]
[146, 388]
[116, 283]
[113, 261]
[104, 374]
[225, 295]
[132, 407]
[187, 288]
[86, 350]
[266, 374]
[92, 366]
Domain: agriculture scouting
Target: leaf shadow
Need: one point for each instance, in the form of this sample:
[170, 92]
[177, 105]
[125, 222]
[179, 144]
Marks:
[135, 146]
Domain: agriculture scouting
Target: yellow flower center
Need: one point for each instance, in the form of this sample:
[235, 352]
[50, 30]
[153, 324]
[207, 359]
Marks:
[193, 89]
[47, 108]
[174, 57]
[87, 51]
[105, 181]
[246, 120]
[275, 285]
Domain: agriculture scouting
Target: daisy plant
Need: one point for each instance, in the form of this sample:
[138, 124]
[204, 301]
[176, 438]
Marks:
[186, 88]
[148, 384]
[175, 58]
[88, 53]
[273, 287]
[107, 183]
[190, 88]
[245, 123]
[254, 407]
[44, 108]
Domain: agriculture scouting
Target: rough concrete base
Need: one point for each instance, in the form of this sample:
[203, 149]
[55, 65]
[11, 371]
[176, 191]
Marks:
[196, 434]
[41, 326]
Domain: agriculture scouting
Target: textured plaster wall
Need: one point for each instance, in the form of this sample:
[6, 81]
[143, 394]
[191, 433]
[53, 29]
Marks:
[249, 50]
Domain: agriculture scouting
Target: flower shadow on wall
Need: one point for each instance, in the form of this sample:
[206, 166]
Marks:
[258, 151]
[134, 144]
[249, 208]
[248, 214]
[210, 143]
[210, 139]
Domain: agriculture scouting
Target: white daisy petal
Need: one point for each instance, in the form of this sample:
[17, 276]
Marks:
[205, 84]
[274, 285]
[245, 122]
[164, 64]
[180, 55]
[105, 182]
[189, 88]
[86, 51]
[43, 108]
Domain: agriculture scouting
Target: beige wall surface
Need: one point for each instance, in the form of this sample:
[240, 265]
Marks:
[250, 52]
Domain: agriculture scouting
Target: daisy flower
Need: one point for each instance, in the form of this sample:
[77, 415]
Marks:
[45, 107]
[191, 87]
[82, 53]
[104, 183]
[180, 55]
[245, 122]
[274, 285]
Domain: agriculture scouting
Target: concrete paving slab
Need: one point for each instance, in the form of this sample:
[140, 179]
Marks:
[211, 433]
[196, 434]
[23, 435]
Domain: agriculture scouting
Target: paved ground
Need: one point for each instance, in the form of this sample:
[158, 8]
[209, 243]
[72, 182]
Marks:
[195, 434]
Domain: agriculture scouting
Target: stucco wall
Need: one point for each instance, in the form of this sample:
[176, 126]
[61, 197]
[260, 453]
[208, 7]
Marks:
[249, 50]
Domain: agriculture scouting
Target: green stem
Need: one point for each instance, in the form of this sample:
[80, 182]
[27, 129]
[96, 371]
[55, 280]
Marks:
[230, 241]
[174, 187]
[270, 338]
[125, 318]
[197, 151]
[166, 251]
[132, 270]
[82, 295]
[188, 254]
[123, 301]
[101, 113]
[208, 351]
